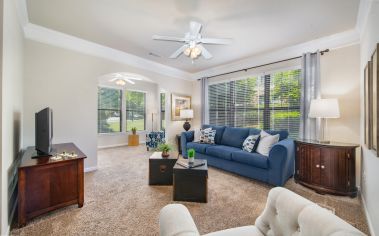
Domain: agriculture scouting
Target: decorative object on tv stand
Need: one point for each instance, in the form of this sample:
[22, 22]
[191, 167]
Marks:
[165, 149]
[191, 155]
[179, 102]
[186, 114]
[324, 109]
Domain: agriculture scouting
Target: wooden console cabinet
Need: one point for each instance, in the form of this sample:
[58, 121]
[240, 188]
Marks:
[326, 168]
[45, 184]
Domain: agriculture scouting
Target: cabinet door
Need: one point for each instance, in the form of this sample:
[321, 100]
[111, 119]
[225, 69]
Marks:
[334, 168]
[308, 163]
[63, 183]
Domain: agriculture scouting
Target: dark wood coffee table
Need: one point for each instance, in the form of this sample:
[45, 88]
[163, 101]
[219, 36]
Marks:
[191, 184]
[160, 169]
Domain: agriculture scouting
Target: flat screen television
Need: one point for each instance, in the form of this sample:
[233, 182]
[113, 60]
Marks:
[44, 131]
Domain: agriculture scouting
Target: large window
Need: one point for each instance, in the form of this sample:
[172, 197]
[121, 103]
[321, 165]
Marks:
[135, 110]
[269, 101]
[163, 111]
[109, 110]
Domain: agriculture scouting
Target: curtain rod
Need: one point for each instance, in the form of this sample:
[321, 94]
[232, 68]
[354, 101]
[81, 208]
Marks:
[267, 64]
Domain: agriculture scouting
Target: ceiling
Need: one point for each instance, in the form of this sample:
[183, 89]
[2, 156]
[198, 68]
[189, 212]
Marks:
[256, 26]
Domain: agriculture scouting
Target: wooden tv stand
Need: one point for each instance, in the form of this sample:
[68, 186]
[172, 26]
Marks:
[45, 184]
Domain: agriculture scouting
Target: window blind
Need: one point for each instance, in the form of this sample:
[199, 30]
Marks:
[270, 101]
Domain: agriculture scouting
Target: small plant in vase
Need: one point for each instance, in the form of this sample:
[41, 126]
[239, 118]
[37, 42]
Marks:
[165, 149]
[191, 155]
[134, 130]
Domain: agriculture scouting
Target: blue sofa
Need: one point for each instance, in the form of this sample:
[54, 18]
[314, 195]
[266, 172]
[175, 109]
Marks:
[227, 154]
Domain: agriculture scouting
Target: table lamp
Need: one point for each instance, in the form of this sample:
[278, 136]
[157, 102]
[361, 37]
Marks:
[324, 109]
[186, 114]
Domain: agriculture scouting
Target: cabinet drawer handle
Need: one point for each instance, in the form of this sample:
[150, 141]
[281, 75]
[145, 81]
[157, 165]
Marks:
[162, 168]
[317, 166]
[322, 167]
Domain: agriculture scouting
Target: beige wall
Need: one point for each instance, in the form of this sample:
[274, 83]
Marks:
[11, 108]
[370, 162]
[340, 79]
[67, 81]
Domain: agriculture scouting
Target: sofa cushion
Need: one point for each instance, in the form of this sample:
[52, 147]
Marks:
[254, 131]
[234, 137]
[219, 132]
[252, 159]
[199, 147]
[221, 151]
[283, 134]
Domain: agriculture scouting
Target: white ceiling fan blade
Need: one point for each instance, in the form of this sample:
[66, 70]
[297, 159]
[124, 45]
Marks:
[178, 52]
[129, 81]
[216, 40]
[168, 38]
[204, 52]
[195, 28]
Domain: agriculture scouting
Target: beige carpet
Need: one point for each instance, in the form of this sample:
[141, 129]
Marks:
[119, 201]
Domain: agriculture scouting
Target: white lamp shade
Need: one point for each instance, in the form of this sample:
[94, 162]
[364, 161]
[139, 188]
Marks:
[324, 108]
[186, 114]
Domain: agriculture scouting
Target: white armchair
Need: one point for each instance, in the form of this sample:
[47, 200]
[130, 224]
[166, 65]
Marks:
[286, 213]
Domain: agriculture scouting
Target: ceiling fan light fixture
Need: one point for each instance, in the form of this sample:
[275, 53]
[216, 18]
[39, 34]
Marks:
[120, 82]
[187, 51]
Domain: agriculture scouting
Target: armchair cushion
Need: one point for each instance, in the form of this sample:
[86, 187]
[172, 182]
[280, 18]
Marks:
[250, 230]
[154, 138]
[175, 220]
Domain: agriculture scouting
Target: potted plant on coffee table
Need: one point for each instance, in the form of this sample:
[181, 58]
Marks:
[165, 149]
[191, 155]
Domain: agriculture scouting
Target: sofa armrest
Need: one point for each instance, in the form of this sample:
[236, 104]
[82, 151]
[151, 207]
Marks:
[281, 162]
[185, 138]
[175, 220]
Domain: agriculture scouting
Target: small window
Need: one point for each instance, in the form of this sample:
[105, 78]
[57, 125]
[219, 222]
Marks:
[135, 110]
[109, 110]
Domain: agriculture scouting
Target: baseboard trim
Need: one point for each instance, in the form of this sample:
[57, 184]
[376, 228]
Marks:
[112, 146]
[117, 145]
[369, 223]
[89, 169]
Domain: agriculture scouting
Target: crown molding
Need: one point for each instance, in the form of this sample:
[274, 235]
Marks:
[22, 12]
[331, 42]
[363, 12]
[55, 38]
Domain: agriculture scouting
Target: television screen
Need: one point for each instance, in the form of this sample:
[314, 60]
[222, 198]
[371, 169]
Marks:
[44, 131]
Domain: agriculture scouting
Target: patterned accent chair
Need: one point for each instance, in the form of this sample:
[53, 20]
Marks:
[154, 138]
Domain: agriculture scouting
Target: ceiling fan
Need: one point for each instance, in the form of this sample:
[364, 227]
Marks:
[193, 42]
[121, 79]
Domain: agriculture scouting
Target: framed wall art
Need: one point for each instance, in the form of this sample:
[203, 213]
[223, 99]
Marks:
[368, 105]
[179, 102]
[375, 96]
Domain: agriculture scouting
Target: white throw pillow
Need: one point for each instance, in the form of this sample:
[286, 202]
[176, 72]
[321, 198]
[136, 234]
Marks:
[197, 135]
[266, 142]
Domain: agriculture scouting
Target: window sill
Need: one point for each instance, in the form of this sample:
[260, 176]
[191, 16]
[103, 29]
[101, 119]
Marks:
[122, 133]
